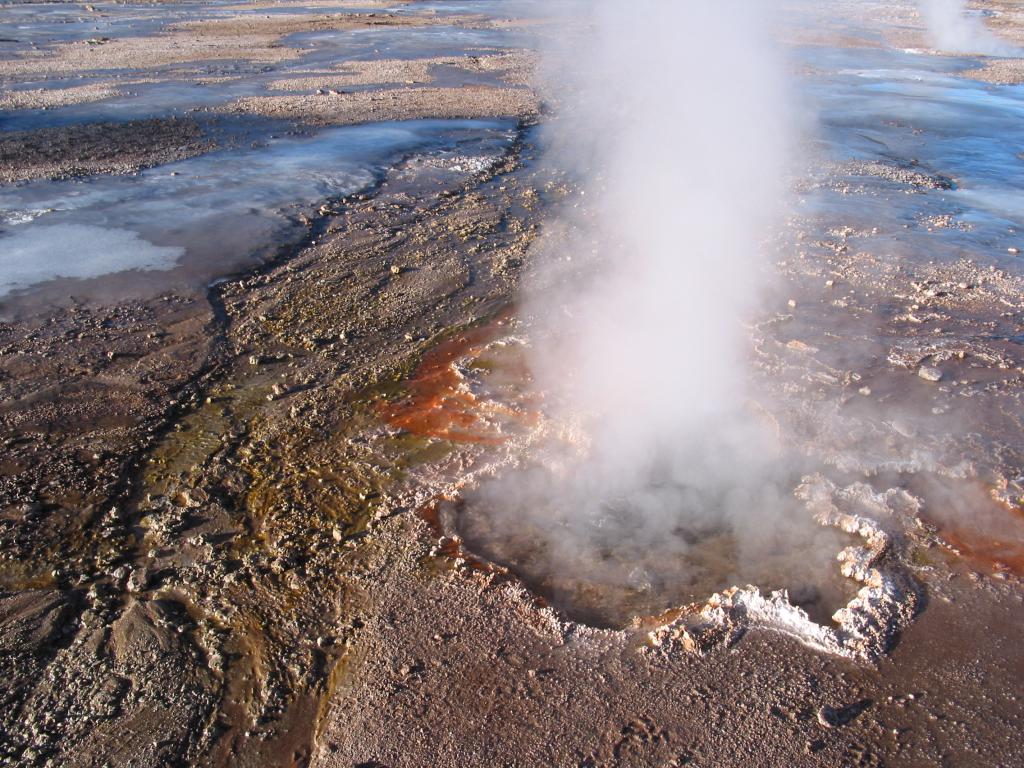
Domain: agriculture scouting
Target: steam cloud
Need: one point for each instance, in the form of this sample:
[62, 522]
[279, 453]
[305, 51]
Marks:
[952, 29]
[674, 123]
[673, 120]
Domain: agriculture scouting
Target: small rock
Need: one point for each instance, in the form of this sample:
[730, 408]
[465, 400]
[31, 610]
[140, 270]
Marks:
[828, 717]
[138, 580]
[929, 374]
[791, 303]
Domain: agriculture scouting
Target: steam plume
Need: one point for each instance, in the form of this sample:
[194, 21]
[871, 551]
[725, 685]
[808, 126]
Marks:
[952, 29]
[674, 121]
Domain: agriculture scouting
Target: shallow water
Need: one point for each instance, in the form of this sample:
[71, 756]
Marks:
[874, 104]
[43, 24]
[213, 214]
[320, 51]
[24, 26]
[207, 216]
[909, 110]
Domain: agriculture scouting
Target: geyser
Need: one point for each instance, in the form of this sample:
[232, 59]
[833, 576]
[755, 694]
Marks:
[609, 561]
[951, 28]
[660, 480]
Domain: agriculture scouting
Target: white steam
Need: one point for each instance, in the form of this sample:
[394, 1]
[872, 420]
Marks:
[953, 29]
[674, 117]
[673, 122]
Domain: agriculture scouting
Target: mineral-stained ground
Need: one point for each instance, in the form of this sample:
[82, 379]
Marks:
[228, 512]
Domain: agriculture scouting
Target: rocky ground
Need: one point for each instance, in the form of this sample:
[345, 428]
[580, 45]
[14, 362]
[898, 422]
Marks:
[251, 39]
[82, 150]
[183, 524]
[399, 103]
[216, 545]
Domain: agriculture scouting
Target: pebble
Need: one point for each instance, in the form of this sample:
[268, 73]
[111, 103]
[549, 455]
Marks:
[827, 716]
[138, 580]
[929, 374]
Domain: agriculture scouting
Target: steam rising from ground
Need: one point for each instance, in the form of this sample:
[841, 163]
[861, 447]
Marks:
[674, 121]
[680, 148]
[952, 29]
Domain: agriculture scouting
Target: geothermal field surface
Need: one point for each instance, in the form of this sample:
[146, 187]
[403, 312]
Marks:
[400, 383]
